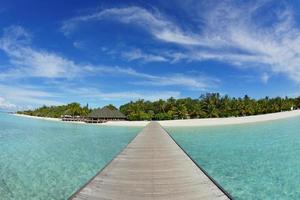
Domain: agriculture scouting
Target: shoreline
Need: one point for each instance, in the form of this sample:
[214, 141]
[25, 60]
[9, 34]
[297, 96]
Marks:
[109, 123]
[230, 120]
[188, 122]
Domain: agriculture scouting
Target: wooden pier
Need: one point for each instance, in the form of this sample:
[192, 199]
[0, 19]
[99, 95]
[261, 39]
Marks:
[152, 166]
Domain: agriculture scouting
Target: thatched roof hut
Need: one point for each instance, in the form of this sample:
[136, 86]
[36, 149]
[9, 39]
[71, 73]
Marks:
[106, 114]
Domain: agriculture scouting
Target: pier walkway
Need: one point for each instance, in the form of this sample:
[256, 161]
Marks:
[152, 166]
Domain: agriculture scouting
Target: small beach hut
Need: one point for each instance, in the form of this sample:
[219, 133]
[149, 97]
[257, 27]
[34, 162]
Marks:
[104, 114]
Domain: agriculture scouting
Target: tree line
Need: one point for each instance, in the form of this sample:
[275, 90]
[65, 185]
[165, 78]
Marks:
[210, 105]
[72, 109]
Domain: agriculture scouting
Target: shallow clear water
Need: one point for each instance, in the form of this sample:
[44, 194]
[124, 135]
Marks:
[51, 160]
[252, 161]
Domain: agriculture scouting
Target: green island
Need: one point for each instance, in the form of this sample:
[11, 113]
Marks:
[210, 105]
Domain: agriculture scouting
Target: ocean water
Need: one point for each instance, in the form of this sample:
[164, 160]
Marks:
[51, 160]
[251, 161]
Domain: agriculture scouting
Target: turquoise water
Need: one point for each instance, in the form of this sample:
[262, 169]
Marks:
[51, 160]
[253, 161]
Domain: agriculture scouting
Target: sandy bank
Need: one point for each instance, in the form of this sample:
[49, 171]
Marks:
[191, 122]
[230, 120]
[35, 117]
[109, 123]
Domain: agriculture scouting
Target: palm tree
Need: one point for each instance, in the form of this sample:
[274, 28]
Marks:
[74, 109]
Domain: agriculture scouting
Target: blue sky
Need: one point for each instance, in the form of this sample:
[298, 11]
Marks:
[100, 52]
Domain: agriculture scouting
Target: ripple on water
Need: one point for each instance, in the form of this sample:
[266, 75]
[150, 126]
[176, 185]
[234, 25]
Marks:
[51, 160]
[251, 161]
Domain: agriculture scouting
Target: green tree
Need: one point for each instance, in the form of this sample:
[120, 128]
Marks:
[111, 107]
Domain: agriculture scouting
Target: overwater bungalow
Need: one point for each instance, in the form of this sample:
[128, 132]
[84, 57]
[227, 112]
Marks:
[104, 114]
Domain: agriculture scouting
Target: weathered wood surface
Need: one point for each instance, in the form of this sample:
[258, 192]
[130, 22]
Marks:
[152, 166]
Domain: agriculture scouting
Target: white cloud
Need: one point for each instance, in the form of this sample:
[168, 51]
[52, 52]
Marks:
[137, 54]
[245, 43]
[94, 94]
[6, 105]
[21, 98]
[240, 34]
[191, 82]
[20, 95]
[248, 43]
[26, 62]
[265, 78]
[160, 27]
[29, 62]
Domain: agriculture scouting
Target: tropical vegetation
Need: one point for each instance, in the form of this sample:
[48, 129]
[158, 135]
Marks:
[210, 105]
[72, 109]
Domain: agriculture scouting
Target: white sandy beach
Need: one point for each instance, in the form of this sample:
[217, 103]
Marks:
[46, 118]
[35, 117]
[230, 120]
[109, 123]
[191, 122]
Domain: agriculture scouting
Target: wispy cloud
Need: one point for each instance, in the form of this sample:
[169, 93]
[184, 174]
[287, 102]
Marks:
[158, 25]
[21, 96]
[36, 96]
[137, 54]
[5, 105]
[191, 82]
[250, 40]
[265, 78]
[94, 94]
[238, 34]
[29, 62]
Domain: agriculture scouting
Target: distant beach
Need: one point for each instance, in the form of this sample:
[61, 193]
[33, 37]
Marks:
[36, 117]
[109, 123]
[230, 120]
[191, 122]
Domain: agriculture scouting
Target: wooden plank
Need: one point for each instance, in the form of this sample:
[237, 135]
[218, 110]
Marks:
[152, 166]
